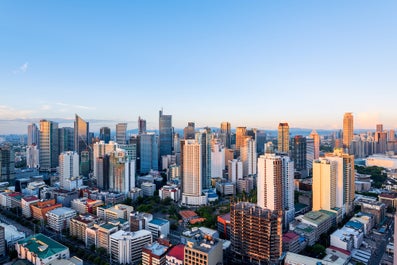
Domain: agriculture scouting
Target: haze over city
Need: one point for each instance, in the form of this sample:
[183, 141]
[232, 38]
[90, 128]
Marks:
[254, 64]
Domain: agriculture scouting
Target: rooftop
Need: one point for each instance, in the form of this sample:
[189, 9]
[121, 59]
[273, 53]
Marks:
[62, 211]
[177, 251]
[158, 221]
[130, 235]
[42, 246]
[156, 248]
[290, 236]
[316, 217]
[186, 214]
[354, 224]
[388, 195]
[30, 198]
[346, 252]
[225, 217]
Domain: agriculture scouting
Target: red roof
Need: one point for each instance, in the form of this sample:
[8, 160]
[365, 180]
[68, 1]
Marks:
[30, 198]
[288, 237]
[186, 214]
[177, 252]
[388, 195]
[14, 194]
[346, 252]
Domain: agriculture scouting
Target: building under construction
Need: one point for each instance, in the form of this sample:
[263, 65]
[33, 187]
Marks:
[256, 234]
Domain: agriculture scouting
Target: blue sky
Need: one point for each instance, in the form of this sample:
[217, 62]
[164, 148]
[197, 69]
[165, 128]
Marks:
[253, 63]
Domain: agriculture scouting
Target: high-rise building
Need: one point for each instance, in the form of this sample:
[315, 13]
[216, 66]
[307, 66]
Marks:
[7, 164]
[100, 149]
[241, 133]
[299, 154]
[69, 177]
[81, 130]
[248, 156]
[235, 170]
[226, 133]
[104, 134]
[391, 136]
[165, 135]
[345, 187]
[260, 138]
[192, 175]
[33, 134]
[204, 138]
[255, 234]
[314, 135]
[217, 158]
[309, 153]
[141, 125]
[149, 153]
[324, 184]
[121, 133]
[2, 242]
[276, 184]
[49, 150]
[347, 130]
[66, 139]
[121, 172]
[283, 137]
[379, 127]
[32, 156]
[189, 131]
[176, 143]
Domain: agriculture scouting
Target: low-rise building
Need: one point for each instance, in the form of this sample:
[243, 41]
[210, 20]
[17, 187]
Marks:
[322, 221]
[170, 191]
[86, 205]
[80, 223]
[226, 188]
[305, 230]
[291, 242]
[25, 205]
[59, 218]
[377, 209]
[390, 199]
[126, 247]
[175, 255]
[158, 227]
[109, 212]
[203, 251]
[154, 254]
[40, 249]
[223, 226]
[148, 189]
[40, 208]
[139, 221]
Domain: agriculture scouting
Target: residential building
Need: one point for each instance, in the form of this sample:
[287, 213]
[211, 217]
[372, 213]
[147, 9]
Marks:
[40, 208]
[26, 202]
[347, 130]
[316, 139]
[248, 156]
[32, 156]
[126, 247]
[170, 191]
[283, 138]
[204, 138]
[80, 223]
[121, 133]
[235, 170]
[241, 133]
[154, 254]
[41, 250]
[256, 233]
[217, 158]
[202, 251]
[158, 227]
[176, 255]
[69, 166]
[85, 205]
[109, 212]
[299, 154]
[59, 218]
[226, 134]
[33, 135]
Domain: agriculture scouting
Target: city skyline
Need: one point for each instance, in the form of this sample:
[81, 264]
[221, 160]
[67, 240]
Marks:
[254, 65]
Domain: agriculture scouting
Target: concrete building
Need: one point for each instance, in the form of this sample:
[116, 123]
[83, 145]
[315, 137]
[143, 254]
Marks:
[176, 255]
[121, 172]
[49, 150]
[217, 158]
[158, 227]
[32, 156]
[80, 223]
[154, 254]
[40, 209]
[69, 176]
[165, 134]
[255, 233]
[246, 184]
[347, 130]
[321, 220]
[170, 191]
[139, 221]
[148, 189]
[283, 138]
[85, 205]
[377, 209]
[59, 218]
[126, 247]
[291, 242]
[109, 212]
[235, 170]
[347, 238]
[226, 188]
[41, 250]
[192, 193]
[202, 251]
[248, 156]
[241, 133]
[121, 133]
[26, 202]
[148, 153]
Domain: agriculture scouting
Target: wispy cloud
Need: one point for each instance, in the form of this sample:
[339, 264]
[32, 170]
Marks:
[22, 69]
[8, 113]
[75, 106]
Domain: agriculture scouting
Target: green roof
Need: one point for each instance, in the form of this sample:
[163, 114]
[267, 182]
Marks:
[108, 226]
[42, 246]
[316, 217]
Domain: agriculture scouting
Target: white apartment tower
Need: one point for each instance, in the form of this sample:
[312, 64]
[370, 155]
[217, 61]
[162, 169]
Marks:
[248, 156]
[69, 177]
[192, 180]
[235, 170]
[217, 159]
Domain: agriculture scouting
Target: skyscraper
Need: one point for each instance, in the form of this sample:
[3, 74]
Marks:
[241, 132]
[217, 158]
[104, 134]
[69, 177]
[324, 184]
[204, 138]
[49, 150]
[141, 125]
[66, 139]
[189, 131]
[260, 138]
[299, 154]
[121, 133]
[149, 153]
[316, 138]
[283, 137]
[248, 156]
[121, 171]
[7, 164]
[255, 234]
[33, 134]
[81, 130]
[192, 174]
[165, 135]
[226, 134]
[347, 130]
[345, 187]
[276, 184]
